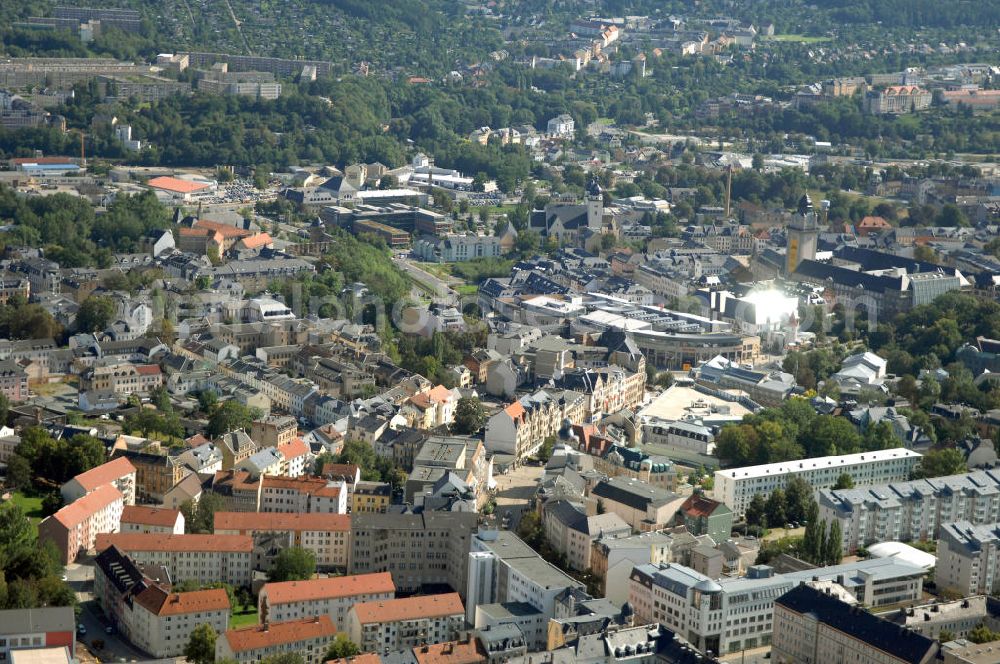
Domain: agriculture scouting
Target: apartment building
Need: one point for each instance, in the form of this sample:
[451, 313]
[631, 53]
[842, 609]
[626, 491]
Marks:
[968, 556]
[606, 390]
[239, 490]
[142, 519]
[155, 474]
[332, 597]
[327, 536]
[703, 516]
[897, 99]
[400, 624]
[814, 626]
[147, 614]
[203, 558]
[431, 409]
[737, 486]
[613, 559]
[236, 446]
[427, 549]
[504, 570]
[520, 429]
[371, 497]
[45, 627]
[908, 511]
[75, 527]
[118, 472]
[310, 638]
[122, 378]
[274, 431]
[571, 532]
[642, 506]
[302, 494]
[732, 614]
[957, 617]
[13, 381]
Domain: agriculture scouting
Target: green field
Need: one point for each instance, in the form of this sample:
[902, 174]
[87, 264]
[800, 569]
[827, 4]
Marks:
[242, 619]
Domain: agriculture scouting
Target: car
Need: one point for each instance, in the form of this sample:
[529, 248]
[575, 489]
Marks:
[110, 629]
[81, 629]
[64, 577]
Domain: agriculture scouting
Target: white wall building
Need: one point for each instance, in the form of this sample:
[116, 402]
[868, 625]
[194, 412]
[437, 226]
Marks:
[333, 597]
[737, 486]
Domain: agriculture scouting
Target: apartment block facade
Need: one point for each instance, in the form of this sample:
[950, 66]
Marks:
[327, 536]
[333, 597]
[400, 624]
[202, 558]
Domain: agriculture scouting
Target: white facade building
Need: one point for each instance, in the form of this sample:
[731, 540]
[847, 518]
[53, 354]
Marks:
[737, 486]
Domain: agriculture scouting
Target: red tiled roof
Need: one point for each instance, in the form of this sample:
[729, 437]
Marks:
[365, 658]
[42, 160]
[294, 448]
[150, 516]
[105, 473]
[409, 608]
[158, 601]
[177, 185]
[310, 485]
[80, 510]
[159, 542]
[452, 652]
[258, 240]
[227, 230]
[340, 469]
[278, 522]
[256, 637]
[515, 410]
[699, 505]
[147, 369]
[338, 586]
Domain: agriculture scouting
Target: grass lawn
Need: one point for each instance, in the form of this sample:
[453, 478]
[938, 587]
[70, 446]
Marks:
[241, 619]
[439, 270]
[32, 506]
[467, 289]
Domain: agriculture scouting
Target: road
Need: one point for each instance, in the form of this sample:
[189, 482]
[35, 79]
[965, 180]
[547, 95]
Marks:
[514, 493]
[441, 289]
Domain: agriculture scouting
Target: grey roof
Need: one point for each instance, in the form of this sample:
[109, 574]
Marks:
[33, 621]
[634, 493]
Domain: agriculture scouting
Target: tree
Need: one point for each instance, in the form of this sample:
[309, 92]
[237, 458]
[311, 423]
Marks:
[756, 512]
[982, 634]
[845, 481]
[199, 517]
[95, 314]
[340, 648]
[775, 508]
[938, 463]
[545, 451]
[200, 648]
[799, 499]
[469, 416]
[293, 564]
[834, 551]
[230, 416]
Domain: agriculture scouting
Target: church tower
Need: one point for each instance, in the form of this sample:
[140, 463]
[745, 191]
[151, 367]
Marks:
[595, 205]
[803, 235]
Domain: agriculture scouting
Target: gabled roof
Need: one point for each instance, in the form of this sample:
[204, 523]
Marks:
[409, 608]
[333, 587]
[105, 473]
[150, 516]
[161, 602]
[280, 522]
[257, 637]
[80, 510]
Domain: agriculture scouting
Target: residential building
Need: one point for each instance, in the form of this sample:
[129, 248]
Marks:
[309, 638]
[732, 614]
[736, 486]
[703, 516]
[642, 506]
[303, 494]
[155, 474]
[503, 570]
[332, 597]
[561, 126]
[146, 613]
[612, 560]
[957, 617]
[236, 446]
[327, 536]
[897, 99]
[453, 248]
[118, 472]
[520, 429]
[122, 378]
[571, 532]
[203, 558]
[13, 381]
[141, 519]
[75, 527]
[371, 497]
[274, 431]
[398, 624]
[432, 408]
[45, 627]
[427, 549]
[967, 561]
[814, 626]
[239, 490]
[911, 511]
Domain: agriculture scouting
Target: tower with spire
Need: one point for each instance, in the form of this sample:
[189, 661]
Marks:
[802, 235]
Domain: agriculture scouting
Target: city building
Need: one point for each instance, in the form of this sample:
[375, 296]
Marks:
[398, 624]
[202, 558]
[815, 626]
[75, 527]
[955, 618]
[520, 429]
[703, 516]
[155, 473]
[736, 486]
[309, 638]
[454, 248]
[13, 381]
[146, 613]
[327, 536]
[141, 519]
[613, 559]
[427, 549]
[370, 497]
[118, 472]
[571, 532]
[911, 511]
[731, 614]
[332, 596]
[897, 99]
[642, 506]
[302, 495]
[967, 558]
[45, 627]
